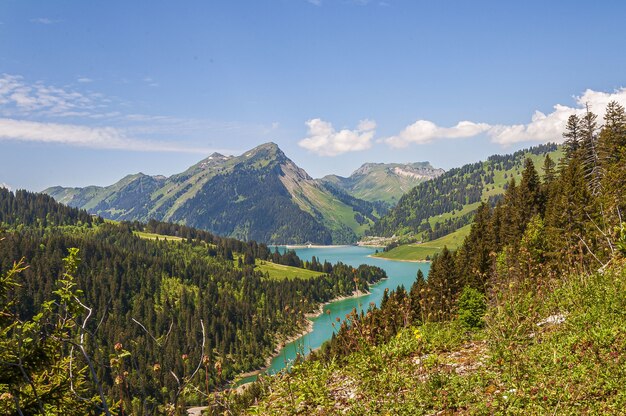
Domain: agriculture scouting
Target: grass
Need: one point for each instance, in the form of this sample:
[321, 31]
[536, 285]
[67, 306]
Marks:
[152, 236]
[426, 251]
[515, 365]
[280, 272]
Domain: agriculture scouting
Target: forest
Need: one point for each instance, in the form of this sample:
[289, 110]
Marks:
[526, 317]
[97, 320]
[567, 218]
[446, 193]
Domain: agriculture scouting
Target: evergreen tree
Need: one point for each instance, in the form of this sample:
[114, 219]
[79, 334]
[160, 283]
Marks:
[415, 294]
[612, 145]
[589, 148]
[530, 196]
[572, 137]
[549, 173]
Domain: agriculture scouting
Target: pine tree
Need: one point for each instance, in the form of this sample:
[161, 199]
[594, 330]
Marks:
[416, 294]
[530, 194]
[589, 148]
[572, 137]
[549, 173]
[612, 149]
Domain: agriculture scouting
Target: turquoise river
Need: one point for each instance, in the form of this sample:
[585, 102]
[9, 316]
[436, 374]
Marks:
[398, 272]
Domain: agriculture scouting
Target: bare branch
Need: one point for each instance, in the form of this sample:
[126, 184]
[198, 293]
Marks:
[201, 352]
[603, 265]
[174, 375]
[147, 332]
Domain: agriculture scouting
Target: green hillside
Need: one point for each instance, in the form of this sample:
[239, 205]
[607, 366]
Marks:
[140, 303]
[426, 250]
[447, 203]
[384, 182]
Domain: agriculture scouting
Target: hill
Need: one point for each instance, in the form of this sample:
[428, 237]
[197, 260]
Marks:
[141, 302]
[442, 205]
[384, 182]
[260, 195]
[525, 317]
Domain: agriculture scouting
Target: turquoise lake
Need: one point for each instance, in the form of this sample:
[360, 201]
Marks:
[399, 273]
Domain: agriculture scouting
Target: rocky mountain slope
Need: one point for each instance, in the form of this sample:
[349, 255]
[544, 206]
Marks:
[260, 195]
[385, 182]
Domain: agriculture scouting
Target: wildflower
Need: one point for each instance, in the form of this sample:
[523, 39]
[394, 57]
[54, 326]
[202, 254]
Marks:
[156, 367]
[6, 396]
[417, 334]
[118, 346]
[119, 380]
[184, 357]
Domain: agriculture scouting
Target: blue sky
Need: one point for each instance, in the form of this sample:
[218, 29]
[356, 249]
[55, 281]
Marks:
[91, 91]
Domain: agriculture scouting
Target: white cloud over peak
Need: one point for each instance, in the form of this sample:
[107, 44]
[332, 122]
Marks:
[541, 128]
[424, 131]
[324, 140]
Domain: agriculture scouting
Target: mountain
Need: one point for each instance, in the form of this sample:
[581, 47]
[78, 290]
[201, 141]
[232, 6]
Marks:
[440, 206]
[260, 195]
[385, 182]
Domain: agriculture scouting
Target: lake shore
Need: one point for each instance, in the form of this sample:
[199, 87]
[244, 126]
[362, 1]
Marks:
[294, 246]
[404, 260]
[308, 329]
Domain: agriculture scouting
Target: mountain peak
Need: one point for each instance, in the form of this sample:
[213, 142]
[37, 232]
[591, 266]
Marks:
[269, 147]
[267, 152]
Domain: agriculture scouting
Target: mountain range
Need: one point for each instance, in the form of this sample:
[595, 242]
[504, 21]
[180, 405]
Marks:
[260, 195]
[385, 182]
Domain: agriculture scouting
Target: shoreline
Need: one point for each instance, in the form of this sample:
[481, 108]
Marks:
[290, 246]
[406, 261]
[282, 344]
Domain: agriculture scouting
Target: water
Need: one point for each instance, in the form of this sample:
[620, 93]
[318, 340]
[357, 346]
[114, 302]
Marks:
[399, 273]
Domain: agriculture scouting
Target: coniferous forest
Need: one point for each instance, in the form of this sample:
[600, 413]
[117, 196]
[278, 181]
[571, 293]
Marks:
[526, 317]
[98, 320]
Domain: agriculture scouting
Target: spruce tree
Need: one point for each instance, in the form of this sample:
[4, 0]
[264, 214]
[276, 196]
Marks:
[572, 137]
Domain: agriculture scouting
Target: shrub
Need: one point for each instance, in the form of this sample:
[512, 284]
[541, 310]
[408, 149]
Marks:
[472, 307]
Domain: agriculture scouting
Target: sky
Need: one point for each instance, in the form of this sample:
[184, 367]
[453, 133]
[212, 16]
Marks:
[91, 91]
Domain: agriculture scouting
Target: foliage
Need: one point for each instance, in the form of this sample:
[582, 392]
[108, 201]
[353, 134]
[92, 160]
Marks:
[472, 307]
[41, 371]
[162, 302]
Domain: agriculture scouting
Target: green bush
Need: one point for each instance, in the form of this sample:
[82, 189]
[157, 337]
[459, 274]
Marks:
[472, 307]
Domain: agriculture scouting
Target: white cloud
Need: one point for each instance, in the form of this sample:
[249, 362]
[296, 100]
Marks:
[541, 128]
[84, 136]
[19, 97]
[44, 21]
[324, 140]
[6, 186]
[424, 131]
[84, 80]
[550, 127]
[151, 82]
